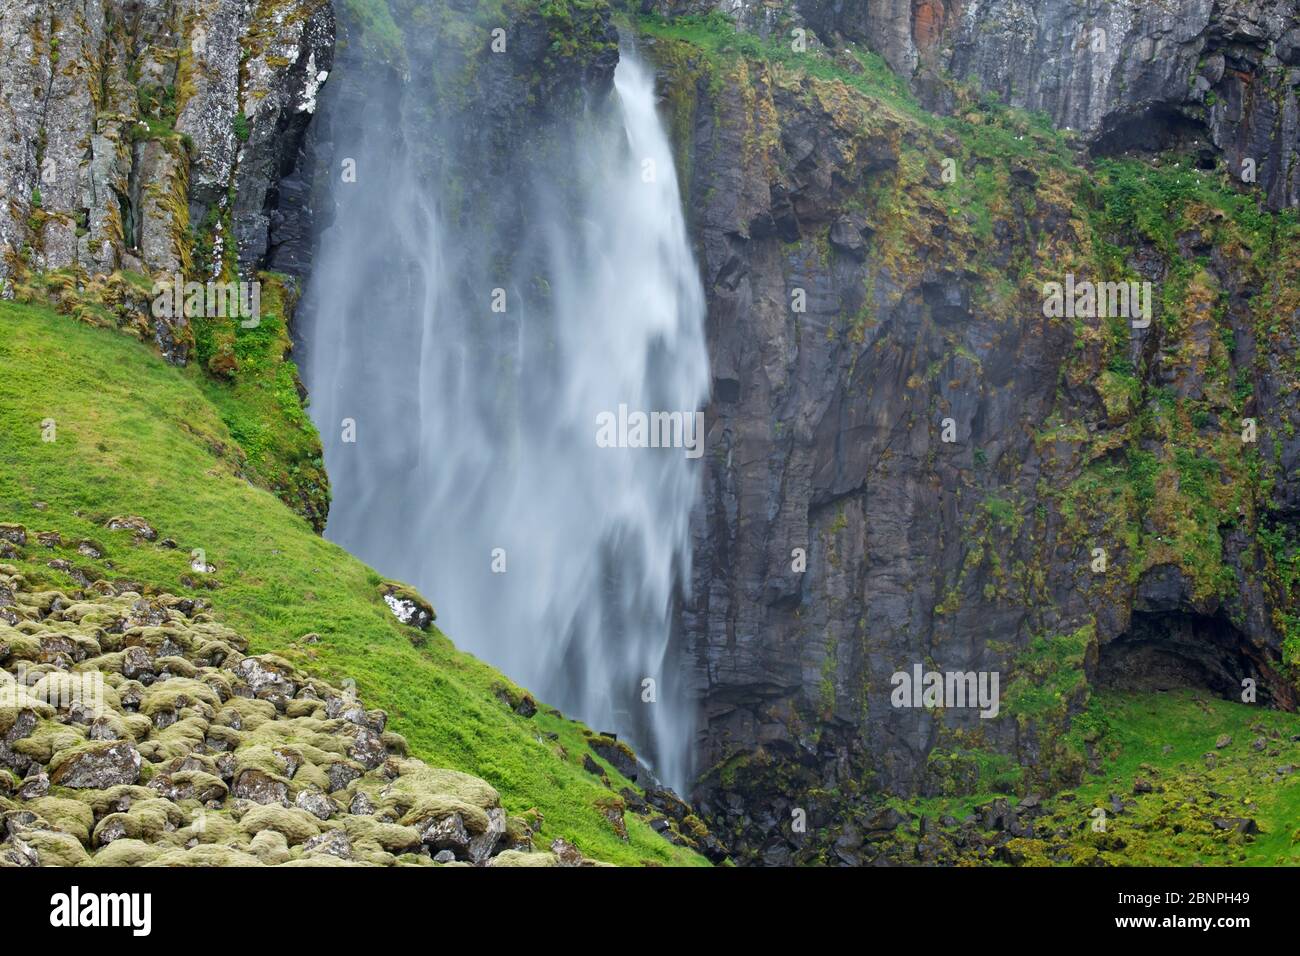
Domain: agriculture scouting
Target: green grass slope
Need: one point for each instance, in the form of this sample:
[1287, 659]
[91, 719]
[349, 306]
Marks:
[133, 435]
[1185, 766]
[1164, 739]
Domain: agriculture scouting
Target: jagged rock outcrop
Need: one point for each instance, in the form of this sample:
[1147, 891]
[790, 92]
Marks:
[1208, 73]
[135, 731]
[1220, 75]
[149, 137]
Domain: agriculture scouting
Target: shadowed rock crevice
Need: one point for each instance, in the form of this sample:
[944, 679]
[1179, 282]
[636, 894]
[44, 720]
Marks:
[1164, 651]
[1152, 130]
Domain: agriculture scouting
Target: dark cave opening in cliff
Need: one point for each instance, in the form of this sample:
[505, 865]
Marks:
[1164, 651]
[1153, 131]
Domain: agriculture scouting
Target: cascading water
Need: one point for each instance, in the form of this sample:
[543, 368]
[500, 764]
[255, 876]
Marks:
[475, 359]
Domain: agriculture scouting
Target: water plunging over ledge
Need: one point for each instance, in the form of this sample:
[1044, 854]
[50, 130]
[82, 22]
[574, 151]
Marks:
[475, 360]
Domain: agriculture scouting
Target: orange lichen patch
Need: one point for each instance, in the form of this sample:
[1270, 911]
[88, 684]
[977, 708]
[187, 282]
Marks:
[928, 19]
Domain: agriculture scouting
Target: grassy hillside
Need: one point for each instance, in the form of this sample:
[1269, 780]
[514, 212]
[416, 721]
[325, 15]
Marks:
[1187, 769]
[133, 435]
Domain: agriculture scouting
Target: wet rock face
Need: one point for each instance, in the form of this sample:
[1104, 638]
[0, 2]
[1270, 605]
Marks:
[828, 515]
[513, 96]
[134, 123]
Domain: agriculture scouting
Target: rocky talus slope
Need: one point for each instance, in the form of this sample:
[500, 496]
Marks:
[135, 731]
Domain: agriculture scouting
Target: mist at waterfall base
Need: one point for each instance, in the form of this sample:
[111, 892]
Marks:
[475, 430]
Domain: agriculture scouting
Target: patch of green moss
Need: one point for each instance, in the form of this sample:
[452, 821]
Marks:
[254, 384]
[957, 767]
[379, 33]
[1186, 809]
[1048, 676]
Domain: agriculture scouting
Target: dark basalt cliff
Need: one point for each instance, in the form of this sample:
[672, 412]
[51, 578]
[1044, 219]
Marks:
[1127, 73]
[924, 309]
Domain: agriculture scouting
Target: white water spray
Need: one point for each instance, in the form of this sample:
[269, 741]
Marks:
[476, 429]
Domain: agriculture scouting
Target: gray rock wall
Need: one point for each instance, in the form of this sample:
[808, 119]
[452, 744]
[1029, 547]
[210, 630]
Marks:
[1218, 73]
[134, 122]
[824, 435]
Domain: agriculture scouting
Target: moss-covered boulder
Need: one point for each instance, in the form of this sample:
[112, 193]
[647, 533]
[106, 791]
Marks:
[96, 765]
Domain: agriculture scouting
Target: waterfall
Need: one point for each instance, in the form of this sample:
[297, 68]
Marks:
[475, 354]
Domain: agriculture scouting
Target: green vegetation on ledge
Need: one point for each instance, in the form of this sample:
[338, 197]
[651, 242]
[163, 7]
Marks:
[1182, 778]
[255, 386]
